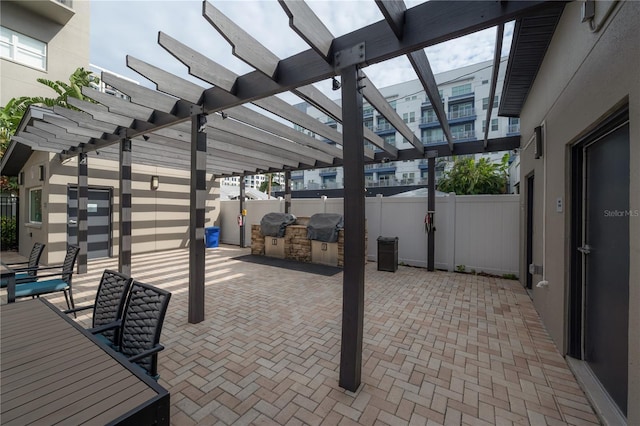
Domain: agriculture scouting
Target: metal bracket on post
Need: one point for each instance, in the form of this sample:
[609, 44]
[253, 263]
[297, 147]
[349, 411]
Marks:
[126, 144]
[431, 154]
[202, 122]
[196, 110]
[354, 55]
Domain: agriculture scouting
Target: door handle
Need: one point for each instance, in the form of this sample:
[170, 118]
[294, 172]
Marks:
[585, 249]
[72, 222]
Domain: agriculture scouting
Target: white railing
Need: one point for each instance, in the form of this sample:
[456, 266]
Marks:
[428, 119]
[383, 127]
[467, 112]
[464, 135]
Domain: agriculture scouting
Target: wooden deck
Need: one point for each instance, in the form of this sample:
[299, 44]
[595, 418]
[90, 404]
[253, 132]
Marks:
[52, 370]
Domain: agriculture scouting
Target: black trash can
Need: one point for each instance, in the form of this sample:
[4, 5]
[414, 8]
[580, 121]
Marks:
[388, 254]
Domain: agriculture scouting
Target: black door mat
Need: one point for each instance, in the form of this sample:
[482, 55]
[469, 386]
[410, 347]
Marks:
[312, 268]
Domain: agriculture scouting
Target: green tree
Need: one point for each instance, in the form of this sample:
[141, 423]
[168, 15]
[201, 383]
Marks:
[266, 185]
[79, 79]
[13, 111]
[468, 177]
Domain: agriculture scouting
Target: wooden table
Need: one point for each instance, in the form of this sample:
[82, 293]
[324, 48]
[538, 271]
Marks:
[10, 275]
[52, 370]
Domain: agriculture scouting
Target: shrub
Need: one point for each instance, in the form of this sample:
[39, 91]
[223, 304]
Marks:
[8, 237]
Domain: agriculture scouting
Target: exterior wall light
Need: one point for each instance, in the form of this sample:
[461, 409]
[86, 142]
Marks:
[155, 183]
[41, 173]
[539, 142]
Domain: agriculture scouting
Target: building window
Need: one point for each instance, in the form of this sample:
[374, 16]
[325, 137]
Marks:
[461, 90]
[462, 110]
[409, 117]
[494, 125]
[368, 123]
[514, 125]
[432, 135]
[463, 131]
[383, 124]
[35, 205]
[23, 49]
[485, 102]
[429, 116]
[390, 139]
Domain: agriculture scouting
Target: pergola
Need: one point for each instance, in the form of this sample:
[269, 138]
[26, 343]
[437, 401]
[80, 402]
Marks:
[210, 130]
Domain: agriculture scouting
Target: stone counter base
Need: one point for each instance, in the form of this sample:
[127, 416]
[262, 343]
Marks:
[296, 244]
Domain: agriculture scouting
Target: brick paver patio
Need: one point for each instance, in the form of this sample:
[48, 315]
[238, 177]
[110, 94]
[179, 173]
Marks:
[439, 348]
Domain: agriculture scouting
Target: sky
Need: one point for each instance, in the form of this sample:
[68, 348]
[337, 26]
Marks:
[121, 28]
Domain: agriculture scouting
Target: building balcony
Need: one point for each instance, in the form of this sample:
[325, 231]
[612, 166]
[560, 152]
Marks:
[462, 97]
[385, 129]
[367, 112]
[298, 174]
[58, 11]
[379, 168]
[462, 116]
[464, 136]
[428, 121]
[433, 140]
[330, 185]
[382, 182]
[427, 102]
[329, 171]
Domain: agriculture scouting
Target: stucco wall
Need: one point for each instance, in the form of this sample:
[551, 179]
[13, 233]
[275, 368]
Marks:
[67, 49]
[585, 76]
[160, 218]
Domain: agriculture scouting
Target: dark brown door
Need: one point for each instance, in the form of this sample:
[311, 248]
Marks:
[605, 259]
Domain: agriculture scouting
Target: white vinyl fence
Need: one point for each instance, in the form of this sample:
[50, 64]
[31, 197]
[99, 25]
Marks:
[477, 232]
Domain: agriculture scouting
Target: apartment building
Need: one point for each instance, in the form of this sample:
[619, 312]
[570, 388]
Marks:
[465, 93]
[41, 39]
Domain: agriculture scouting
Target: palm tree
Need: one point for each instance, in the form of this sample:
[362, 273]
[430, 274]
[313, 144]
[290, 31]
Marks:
[79, 79]
[14, 110]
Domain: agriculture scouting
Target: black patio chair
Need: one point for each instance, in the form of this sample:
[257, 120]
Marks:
[26, 271]
[40, 287]
[109, 304]
[141, 326]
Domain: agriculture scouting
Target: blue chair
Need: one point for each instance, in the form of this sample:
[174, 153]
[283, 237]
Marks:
[109, 304]
[40, 287]
[26, 271]
[141, 326]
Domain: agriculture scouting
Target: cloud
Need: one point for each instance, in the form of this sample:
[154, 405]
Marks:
[120, 28]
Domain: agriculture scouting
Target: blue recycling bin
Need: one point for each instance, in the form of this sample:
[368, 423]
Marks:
[211, 236]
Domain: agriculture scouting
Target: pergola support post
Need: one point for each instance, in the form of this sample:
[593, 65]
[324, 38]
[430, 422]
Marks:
[242, 216]
[287, 191]
[354, 229]
[196, 222]
[431, 209]
[124, 247]
[83, 197]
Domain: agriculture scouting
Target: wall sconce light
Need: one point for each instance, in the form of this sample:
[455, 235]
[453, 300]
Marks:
[21, 178]
[538, 147]
[41, 173]
[155, 182]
